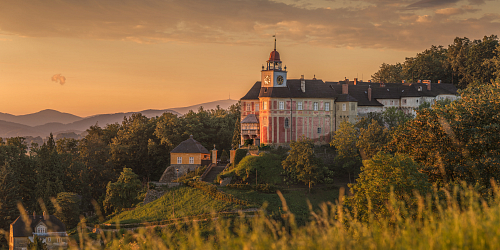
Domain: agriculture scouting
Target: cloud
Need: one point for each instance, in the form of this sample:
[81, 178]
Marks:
[365, 24]
[455, 11]
[59, 78]
[431, 4]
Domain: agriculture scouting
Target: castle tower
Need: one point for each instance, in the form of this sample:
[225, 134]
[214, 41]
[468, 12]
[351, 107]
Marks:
[273, 75]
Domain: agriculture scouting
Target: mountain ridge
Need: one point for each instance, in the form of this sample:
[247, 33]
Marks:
[47, 121]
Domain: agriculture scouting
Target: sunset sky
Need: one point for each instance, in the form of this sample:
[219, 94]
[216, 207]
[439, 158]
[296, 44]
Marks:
[91, 57]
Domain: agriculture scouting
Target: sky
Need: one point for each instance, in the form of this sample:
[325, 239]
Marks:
[89, 57]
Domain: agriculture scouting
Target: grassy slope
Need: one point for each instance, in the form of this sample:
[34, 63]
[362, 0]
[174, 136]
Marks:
[188, 201]
[295, 199]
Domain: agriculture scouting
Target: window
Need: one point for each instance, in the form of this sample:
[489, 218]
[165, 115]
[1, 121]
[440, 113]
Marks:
[191, 160]
[59, 240]
[299, 105]
[281, 105]
[403, 101]
[248, 107]
[344, 107]
[315, 106]
[264, 105]
[417, 100]
[179, 160]
[41, 230]
[256, 107]
[327, 106]
[48, 239]
[353, 107]
[319, 130]
[287, 125]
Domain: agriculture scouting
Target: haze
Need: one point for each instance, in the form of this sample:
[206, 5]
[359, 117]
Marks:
[90, 57]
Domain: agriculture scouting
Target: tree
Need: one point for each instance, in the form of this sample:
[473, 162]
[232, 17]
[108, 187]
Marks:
[457, 141]
[389, 73]
[235, 110]
[344, 141]
[265, 167]
[382, 176]
[9, 197]
[303, 162]
[393, 117]
[122, 193]
[432, 64]
[372, 140]
[68, 208]
[37, 244]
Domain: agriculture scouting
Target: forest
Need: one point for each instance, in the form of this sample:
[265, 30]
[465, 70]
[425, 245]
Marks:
[32, 174]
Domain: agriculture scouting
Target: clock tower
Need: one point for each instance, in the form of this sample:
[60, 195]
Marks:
[273, 75]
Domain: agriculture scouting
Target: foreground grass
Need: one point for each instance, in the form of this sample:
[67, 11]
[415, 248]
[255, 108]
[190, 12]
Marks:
[440, 224]
[188, 202]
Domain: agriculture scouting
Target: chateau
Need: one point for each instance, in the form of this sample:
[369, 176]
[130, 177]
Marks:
[278, 110]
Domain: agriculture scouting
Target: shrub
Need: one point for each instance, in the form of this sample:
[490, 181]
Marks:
[240, 154]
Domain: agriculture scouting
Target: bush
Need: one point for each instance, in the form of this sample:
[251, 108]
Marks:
[240, 154]
[263, 188]
[382, 177]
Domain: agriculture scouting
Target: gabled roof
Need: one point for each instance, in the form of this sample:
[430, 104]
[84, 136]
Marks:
[190, 146]
[251, 118]
[21, 228]
[358, 92]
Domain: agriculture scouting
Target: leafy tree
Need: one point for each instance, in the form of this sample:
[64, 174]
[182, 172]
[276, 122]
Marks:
[382, 176]
[68, 208]
[458, 141]
[135, 146]
[303, 162]
[122, 193]
[224, 157]
[472, 61]
[344, 141]
[389, 73]
[432, 64]
[372, 140]
[95, 155]
[37, 244]
[393, 117]
[9, 197]
[365, 121]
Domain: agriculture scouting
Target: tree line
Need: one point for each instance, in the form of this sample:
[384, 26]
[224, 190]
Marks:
[464, 62]
[85, 167]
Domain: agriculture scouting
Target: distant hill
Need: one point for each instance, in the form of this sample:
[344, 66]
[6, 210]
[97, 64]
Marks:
[51, 121]
[41, 117]
[224, 104]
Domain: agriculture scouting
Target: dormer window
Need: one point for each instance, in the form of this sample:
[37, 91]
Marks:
[41, 229]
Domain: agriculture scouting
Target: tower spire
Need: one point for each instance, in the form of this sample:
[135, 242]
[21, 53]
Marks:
[274, 41]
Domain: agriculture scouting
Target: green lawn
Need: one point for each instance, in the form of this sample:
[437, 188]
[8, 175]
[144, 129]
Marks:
[188, 201]
[295, 199]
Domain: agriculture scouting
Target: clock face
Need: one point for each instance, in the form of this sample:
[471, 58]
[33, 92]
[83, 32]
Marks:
[267, 80]
[280, 80]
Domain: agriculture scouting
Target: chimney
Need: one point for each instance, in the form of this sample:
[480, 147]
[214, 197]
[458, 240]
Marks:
[369, 81]
[345, 88]
[355, 81]
[45, 215]
[404, 81]
[302, 84]
[369, 93]
[439, 81]
[419, 81]
[191, 137]
[429, 86]
[314, 78]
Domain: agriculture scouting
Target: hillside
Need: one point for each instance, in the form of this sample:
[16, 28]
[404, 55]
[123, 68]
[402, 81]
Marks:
[40, 118]
[188, 201]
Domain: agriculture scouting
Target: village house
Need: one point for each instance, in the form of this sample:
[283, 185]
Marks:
[278, 110]
[48, 228]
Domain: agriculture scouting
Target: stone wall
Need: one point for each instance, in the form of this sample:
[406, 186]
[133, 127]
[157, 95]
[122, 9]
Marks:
[170, 173]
